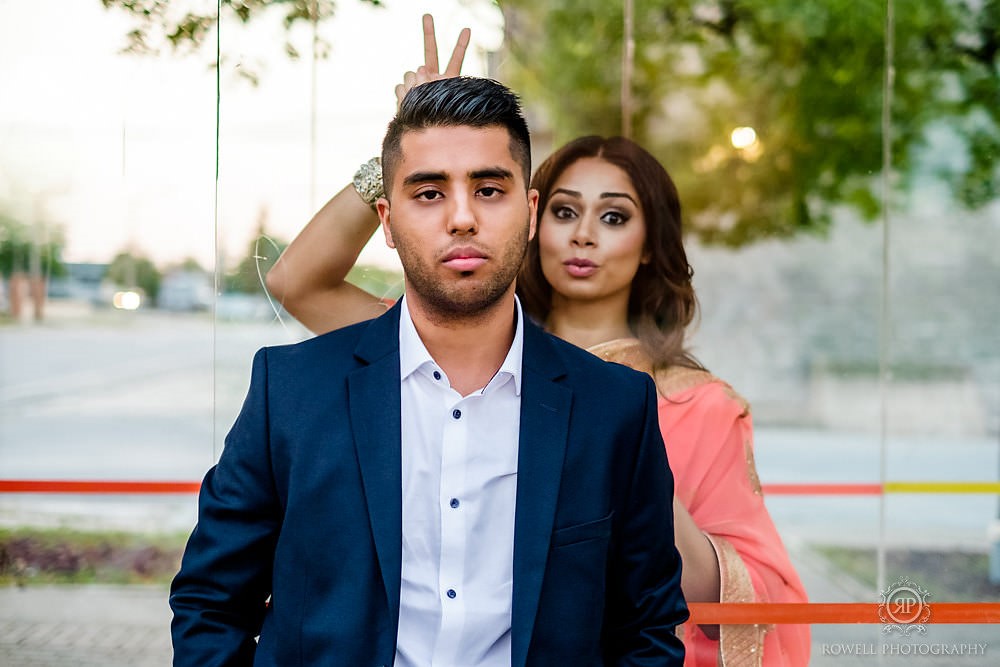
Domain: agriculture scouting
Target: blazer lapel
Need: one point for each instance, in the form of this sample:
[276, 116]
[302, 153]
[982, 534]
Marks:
[374, 404]
[545, 411]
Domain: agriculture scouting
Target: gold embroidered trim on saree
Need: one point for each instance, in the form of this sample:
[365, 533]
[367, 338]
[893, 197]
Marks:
[669, 381]
[625, 351]
[739, 645]
[752, 468]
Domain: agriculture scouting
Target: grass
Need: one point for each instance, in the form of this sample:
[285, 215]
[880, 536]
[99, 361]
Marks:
[64, 556]
[949, 576]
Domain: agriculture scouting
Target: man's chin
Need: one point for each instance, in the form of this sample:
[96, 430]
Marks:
[472, 300]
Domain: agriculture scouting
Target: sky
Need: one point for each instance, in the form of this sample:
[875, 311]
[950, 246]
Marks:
[119, 151]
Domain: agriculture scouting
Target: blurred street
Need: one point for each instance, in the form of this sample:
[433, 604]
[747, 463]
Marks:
[150, 396]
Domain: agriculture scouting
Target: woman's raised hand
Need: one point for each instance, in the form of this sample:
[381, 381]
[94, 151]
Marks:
[430, 70]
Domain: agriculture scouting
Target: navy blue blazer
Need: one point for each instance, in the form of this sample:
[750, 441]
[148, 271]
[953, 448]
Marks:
[298, 538]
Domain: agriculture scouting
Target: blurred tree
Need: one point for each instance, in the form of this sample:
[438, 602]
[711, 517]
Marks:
[189, 264]
[160, 23]
[807, 77]
[130, 270]
[384, 283]
[262, 252]
[19, 249]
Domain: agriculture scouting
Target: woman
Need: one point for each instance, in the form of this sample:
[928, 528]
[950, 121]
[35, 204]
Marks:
[607, 271]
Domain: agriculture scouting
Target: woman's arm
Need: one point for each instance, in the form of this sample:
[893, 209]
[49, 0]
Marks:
[309, 279]
[700, 578]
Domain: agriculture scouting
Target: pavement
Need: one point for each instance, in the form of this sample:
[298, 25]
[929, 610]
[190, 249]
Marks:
[84, 626]
[129, 626]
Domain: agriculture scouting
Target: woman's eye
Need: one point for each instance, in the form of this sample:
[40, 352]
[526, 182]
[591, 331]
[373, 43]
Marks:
[563, 212]
[614, 218]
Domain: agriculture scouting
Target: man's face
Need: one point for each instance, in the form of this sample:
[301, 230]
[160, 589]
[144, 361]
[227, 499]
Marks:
[460, 218]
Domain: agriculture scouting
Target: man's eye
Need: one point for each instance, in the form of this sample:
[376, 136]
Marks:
[490, 191]
[429, 195]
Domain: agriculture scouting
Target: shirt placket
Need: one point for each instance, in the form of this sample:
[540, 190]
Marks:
[454, 537]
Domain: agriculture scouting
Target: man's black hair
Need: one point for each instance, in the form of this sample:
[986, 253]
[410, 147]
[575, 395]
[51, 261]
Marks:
[456, 101]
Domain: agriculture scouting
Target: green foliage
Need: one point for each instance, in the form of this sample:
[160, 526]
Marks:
[808, 77]
[159, 23]
[129, 270]
[20, 253]
[383, 283]
[248, 276]
[189, 264]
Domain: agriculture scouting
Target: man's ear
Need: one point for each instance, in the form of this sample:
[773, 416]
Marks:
[532, 213]
[382, 208]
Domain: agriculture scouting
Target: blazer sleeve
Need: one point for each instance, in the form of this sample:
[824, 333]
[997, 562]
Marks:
[645, 600]
[219, 595]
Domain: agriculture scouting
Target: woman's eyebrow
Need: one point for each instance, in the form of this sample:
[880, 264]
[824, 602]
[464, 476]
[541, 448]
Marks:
[615, 195]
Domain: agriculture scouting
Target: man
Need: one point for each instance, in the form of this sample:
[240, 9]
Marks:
[446, 484]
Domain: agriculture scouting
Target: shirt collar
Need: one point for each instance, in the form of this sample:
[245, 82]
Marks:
[413, 354]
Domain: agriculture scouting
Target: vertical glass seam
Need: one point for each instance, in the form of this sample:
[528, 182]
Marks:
[885, 372]
[216, 231]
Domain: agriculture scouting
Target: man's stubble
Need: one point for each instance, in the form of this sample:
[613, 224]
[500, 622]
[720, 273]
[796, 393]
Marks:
[466, 297]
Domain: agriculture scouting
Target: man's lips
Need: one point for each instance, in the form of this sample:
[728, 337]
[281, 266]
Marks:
[464, 259]
[579, 267]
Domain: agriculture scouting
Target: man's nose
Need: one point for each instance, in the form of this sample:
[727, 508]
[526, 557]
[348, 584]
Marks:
[463, 218]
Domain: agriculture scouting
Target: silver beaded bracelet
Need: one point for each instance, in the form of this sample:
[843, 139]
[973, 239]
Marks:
[368, 181]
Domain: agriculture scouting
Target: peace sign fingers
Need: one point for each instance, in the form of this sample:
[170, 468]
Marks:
[431, 50]
[430, 70]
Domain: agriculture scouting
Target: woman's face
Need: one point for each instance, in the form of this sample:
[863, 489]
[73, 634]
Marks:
[592, 233]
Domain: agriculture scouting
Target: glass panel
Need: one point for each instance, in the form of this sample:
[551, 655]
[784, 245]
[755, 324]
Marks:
[107, 174]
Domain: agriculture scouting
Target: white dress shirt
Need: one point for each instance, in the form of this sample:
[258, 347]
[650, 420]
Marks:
[459, 474]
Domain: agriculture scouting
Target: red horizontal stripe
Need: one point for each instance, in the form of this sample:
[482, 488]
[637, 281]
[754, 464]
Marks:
[826, 489]
[95, 486]
[170, 487]
[743, 613]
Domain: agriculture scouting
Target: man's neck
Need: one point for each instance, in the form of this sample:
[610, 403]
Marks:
[470, 350]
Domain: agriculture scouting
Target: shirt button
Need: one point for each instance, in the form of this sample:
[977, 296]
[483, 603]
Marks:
[452, 593]
[456, 413]
[437, 375]
[454, 502]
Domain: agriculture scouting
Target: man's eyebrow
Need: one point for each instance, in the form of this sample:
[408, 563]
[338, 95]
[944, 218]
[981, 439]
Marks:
[425, 177]
[418, 177]
[491, 172]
